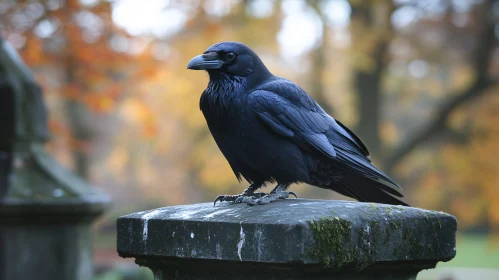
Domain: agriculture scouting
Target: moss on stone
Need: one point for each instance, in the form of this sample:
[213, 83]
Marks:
[366, 252]
[333, 248]
[340, 243]
[330, 236]
[439, 222]
[394, 224]
[426, 217]
[373, 206]
[417, 249]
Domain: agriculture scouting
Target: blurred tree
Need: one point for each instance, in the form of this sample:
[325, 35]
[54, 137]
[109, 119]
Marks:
[319, 61]
[81, 47]
[481, 58]
[371, 36]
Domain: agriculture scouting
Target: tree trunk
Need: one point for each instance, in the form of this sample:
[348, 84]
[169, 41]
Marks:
[369, 92]
[370, 18]
[79, 116]
[319, 63]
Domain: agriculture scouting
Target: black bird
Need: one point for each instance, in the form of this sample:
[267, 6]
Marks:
[271, 130]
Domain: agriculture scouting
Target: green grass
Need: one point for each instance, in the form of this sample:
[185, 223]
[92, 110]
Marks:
[475, 250]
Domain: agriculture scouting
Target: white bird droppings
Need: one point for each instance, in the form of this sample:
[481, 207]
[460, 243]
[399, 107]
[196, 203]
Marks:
[218, 250]
[240, 245]
[146, 218]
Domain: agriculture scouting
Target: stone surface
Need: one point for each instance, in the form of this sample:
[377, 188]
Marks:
[327, 235]
[45, 210]
[28, 107]
[40, 251]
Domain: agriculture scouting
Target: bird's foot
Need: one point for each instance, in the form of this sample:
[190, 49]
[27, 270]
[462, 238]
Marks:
[238, 198]
[244, 198]
[266, 199]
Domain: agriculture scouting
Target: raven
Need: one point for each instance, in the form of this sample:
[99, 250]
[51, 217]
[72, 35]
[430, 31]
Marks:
[271, 130]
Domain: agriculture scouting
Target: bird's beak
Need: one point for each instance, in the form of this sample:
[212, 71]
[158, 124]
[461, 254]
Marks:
[205, 61]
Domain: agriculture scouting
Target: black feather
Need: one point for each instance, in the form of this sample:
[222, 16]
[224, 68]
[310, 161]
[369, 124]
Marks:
[270, 129]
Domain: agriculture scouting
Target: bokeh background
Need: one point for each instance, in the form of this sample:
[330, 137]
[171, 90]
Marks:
[417, 80]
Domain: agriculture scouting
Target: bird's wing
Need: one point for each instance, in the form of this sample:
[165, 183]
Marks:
[288, 120]
[294, 115]
[345, 131]
[300, 118]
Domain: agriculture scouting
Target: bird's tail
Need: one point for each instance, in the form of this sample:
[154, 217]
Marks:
[365, 190]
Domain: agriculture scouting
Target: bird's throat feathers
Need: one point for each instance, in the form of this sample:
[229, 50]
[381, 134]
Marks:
[223, 84]
[219, 96]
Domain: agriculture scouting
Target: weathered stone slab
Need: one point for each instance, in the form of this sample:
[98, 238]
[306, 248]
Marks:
[324, 234]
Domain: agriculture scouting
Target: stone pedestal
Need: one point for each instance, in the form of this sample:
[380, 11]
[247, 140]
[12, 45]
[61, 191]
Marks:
[288, 239]
[45, 211]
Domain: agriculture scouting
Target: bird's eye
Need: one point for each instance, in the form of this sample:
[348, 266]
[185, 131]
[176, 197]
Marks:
[230, 56]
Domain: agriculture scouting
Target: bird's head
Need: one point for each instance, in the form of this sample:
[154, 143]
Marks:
[230, 58]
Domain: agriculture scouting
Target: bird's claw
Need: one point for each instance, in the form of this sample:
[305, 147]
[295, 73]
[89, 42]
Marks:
[220, 198]
[244, 198]
[258, 198]
[239, 198]
[271, 197]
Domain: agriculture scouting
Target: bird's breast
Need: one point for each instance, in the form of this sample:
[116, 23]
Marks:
[222, 111]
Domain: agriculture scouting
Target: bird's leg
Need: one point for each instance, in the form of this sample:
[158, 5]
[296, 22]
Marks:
[277, 193]
[238, 198]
